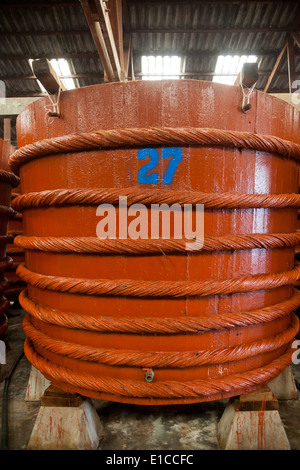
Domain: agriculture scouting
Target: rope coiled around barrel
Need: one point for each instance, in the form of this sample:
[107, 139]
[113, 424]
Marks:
[10, 178]
[225, 386]
[157, 325]
[89, 197]
[95, 245]
[157, 359]
[156, 136]
[141, 288]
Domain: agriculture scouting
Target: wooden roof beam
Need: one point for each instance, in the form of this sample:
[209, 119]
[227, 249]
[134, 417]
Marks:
[71, 75]
[296, 38]
[210, 30]
[99, 23]
[205, 2]
[109, 37]
[116, 19]
[291, 61]
[89, 10]
[76, 32]
[277, 63]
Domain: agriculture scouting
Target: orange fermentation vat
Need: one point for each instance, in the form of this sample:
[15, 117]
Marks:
[7, 181]
[145, 321]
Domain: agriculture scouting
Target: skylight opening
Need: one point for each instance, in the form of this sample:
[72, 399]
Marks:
[62, 68]
[161, 67]
[228, 67]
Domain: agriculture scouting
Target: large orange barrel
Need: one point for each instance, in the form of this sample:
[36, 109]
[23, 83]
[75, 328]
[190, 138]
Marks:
[7, 181]
[147, 321]
[15, 227]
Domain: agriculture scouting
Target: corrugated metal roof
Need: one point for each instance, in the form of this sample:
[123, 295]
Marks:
[72, 36]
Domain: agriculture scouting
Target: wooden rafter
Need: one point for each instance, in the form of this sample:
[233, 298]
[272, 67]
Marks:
[116, 20]
[274, 70]
[98, 38]
[210, 30]
[128, 52]
[98, 20]
[198, 53]
[13, 78]
[291, 61]
[96, 76]
[205, 2]
[18, 34]
[296, 38]
[72, 3]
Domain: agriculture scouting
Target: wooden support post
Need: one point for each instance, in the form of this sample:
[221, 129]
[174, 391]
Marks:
[291, 61]
[65, 421]
[7, 130]
[252, 422]
[37, 385]
[283, 386]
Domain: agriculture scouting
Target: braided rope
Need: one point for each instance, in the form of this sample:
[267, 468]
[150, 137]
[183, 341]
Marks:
[120, 138]
[10, 178]
[172, 389]
[14, 289]
[90, 197]
[4, 305]
[166, 325]
[6, 239]
[14, 250]
[6, 263]
[140, 288]
[7, 212]
[3, 324]
[95, 245]
[178, 359]
[3, 284]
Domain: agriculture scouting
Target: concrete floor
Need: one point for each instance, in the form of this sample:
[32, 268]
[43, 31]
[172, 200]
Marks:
[129, 427]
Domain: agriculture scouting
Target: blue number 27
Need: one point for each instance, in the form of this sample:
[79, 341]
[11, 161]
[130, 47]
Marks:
[144, 177]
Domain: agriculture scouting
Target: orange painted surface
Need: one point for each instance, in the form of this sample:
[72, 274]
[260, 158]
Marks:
[184, 104]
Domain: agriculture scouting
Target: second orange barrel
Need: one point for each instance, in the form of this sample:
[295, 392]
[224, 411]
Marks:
[7, 182]
[147, 321]
[15, 227]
